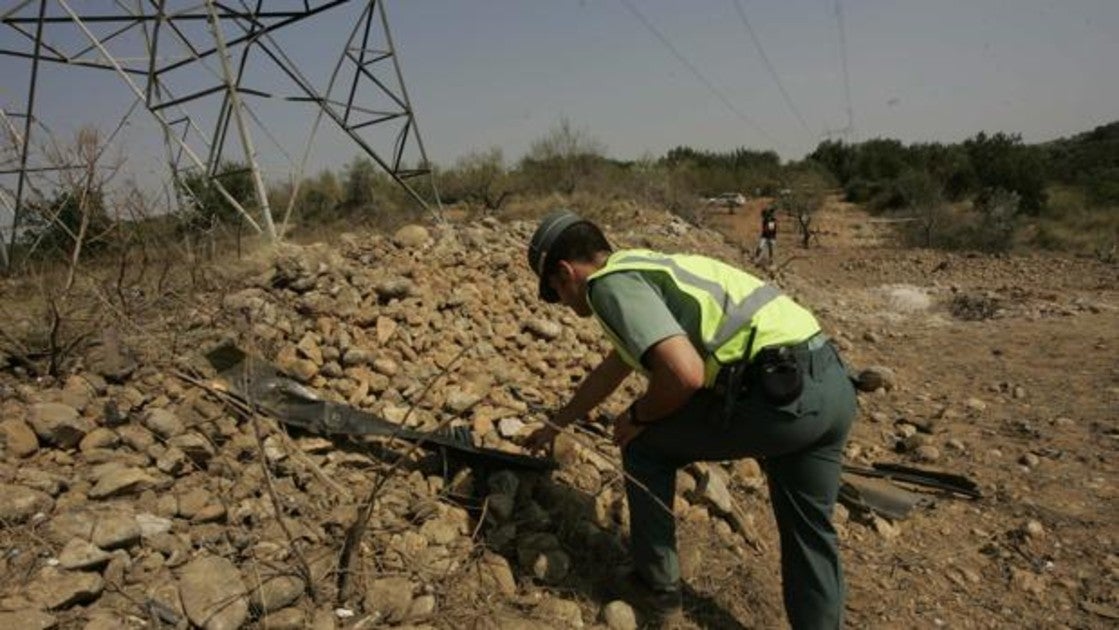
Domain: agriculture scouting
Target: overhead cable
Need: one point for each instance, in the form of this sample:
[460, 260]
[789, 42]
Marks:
[769, 66]
[846, 75]
[694, 70]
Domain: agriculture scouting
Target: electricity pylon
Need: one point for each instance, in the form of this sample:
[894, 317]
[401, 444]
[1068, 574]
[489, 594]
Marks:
[189, 64]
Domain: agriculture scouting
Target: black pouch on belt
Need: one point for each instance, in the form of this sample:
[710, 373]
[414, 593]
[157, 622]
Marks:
[779, 375]
[733, 378]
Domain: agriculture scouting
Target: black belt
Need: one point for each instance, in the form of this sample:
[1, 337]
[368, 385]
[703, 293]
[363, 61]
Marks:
[802, 348]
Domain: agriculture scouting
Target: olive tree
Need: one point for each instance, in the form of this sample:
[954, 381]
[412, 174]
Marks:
[562, 159]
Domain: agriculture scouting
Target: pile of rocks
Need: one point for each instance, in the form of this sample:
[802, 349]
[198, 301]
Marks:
[134, 496]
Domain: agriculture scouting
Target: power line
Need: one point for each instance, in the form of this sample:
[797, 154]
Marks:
[846, 75]
[694, 70]
[769, 66]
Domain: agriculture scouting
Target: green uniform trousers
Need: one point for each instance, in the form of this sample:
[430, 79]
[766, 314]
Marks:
[799, 447]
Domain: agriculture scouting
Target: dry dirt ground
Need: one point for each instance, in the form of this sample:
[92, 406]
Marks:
[1011, 365]
[134, 498]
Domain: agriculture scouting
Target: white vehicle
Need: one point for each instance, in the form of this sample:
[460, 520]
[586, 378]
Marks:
[728, 200]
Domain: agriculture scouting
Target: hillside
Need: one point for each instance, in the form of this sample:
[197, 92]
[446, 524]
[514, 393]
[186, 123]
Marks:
[133, 494]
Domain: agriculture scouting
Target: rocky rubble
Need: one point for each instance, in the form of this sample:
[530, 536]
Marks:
[131, 495]
[135, 496]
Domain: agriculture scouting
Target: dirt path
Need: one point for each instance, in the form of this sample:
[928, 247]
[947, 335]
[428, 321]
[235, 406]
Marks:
[1011, 365]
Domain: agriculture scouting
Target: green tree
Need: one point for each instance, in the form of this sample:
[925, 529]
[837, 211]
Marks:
[209, 209]
[807, 188]
[562, 159]
[837, 158]
[1001, 161]
[207, 206]
[54, 225]
[321, 197]
[999, 209]
[361, 184]
[922, 194]
[480, 177]
[73, 218]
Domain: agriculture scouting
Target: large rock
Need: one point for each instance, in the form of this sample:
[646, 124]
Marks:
[17, 503]
[196, 448]
[411, 236]
[119, 480]
[275, 593]
[356, 356]
[59, 424]
[395, 289]
[152, 525]
[461, 399]
[290, 363]
[440, 531]
[509, 428]
[286, 619]
[544, 329]
[173, 462]
[163, 423]
[57, 590]
[386, 366]
[876, 377]
[211, 592]
[309, 348]
[390, 598]
[115, 530]
[73, 524]
[99, 438]
[495, 574]
[194, 501]
[80, 554]
[711, 488]
[136, 437]
[111, 358]
[386, 327]
[77, 393]
[619, 615]
[50, 482]
[18, 439]
[27, 620]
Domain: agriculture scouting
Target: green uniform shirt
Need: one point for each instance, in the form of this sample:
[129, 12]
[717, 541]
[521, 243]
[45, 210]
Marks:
[644, 307]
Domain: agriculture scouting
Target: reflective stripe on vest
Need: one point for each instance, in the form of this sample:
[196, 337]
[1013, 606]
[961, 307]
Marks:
[736, 315]
[730, 303]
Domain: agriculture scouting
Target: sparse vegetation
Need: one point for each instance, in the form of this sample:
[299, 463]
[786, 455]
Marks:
[1067, 191]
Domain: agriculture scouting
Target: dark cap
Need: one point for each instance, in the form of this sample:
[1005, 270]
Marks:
[545, 236]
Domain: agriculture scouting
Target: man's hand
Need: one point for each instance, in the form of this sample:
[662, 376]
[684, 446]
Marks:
[625, 430]
[541, 439]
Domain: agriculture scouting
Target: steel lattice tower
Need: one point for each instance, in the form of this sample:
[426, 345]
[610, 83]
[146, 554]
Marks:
[186, 62]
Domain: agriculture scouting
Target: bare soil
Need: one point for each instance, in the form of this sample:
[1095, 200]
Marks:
[1007, 371]
[1014, 365]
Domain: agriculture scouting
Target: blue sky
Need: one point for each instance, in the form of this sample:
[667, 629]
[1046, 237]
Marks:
[502, 72]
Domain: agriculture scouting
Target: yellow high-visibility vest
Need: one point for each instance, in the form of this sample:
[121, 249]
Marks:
[731, 302]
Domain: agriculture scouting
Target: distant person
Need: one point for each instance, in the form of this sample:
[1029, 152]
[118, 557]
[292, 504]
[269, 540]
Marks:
[735, 369]
[768, 239]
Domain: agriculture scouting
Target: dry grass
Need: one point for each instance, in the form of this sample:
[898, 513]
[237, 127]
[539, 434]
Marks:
[1073, 225]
